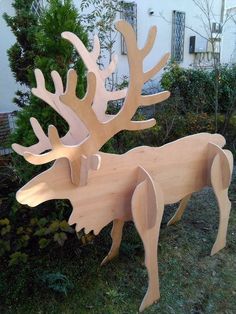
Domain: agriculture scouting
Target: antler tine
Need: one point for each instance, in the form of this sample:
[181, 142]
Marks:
[70, 98]
[40, 89]
[82, 50]
[59, 89]
[140, 125]
[157, 67]
[71, 84]
[147, 48]
[149, 42]
[128, 33]
[41, 92]
[54, 137]
[90, 60]
[42, 145]
[155, 98]
[111, 67]
[82, 107]
[58, 149]
[96, 48]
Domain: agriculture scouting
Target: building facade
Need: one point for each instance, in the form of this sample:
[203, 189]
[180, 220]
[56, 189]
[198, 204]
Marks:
[182, 31]
[228, 51]
[8, 85]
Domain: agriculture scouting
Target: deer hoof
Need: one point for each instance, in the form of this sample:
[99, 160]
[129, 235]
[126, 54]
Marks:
[217, 247]
[148, 300]
[173, 221]
[109, 257]
[105, 260]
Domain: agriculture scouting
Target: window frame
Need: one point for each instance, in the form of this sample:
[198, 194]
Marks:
[177, 43]
[37, 7]
[131, 19]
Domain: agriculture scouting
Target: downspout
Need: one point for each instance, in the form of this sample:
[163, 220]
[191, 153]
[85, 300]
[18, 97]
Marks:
[222, 16]
[222, 13]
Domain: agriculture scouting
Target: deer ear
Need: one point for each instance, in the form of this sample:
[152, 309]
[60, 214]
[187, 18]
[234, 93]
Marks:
[95, 162]
[144, 202]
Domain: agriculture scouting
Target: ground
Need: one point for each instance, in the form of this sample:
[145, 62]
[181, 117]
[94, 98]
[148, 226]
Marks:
[191, 281]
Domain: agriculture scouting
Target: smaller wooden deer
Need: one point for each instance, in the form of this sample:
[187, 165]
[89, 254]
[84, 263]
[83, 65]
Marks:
[136, 185]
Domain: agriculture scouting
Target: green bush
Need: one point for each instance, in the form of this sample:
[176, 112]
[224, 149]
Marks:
[56, 282]
[25, 231]
[194, 87]
[198, 91]
[171, 125]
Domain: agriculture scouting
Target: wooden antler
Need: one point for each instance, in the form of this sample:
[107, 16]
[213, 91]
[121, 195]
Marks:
[73, 136]
[58, 148]
[77, 131]
[133, 99]
[102, 95]
[101, 132]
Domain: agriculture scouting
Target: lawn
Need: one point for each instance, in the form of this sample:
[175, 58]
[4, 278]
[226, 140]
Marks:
[190, 280]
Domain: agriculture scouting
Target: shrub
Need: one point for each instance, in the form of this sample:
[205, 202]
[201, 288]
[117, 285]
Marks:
[195, 87]
[199, 92]
[56, 282]
[25, 230]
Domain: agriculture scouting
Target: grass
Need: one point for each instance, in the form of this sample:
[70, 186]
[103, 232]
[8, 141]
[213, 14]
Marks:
[191, 281]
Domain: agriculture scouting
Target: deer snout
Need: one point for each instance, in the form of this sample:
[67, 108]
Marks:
[32, 196]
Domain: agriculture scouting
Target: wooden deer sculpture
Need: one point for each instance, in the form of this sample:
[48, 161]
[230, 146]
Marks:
[136, 185]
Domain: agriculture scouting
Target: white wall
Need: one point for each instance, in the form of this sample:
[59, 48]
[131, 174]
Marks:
[230, 3]
[162, 18]
[144, 20]
[228, 50]
[8, 85]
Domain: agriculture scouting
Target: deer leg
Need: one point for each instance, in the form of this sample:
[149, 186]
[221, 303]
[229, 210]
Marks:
[224, 207]
[116, 235]
[147, 211]
[179, 212]
[220, 184]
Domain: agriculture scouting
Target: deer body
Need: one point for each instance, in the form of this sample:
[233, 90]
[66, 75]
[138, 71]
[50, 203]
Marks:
[180, 167]
[136, 185]
[176, 170]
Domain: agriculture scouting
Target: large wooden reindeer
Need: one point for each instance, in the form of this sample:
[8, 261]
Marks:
[136, 185]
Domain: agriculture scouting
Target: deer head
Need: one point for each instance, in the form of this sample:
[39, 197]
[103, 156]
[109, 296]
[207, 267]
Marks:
[101, 131]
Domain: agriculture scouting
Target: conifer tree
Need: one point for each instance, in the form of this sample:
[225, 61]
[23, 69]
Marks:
[47, 51]
[21, 55]
[39, 45]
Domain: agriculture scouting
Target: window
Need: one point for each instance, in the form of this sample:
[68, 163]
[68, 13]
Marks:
[7, 124]
[37, 6]
[178, 29]
[216, 28]
[129, 14]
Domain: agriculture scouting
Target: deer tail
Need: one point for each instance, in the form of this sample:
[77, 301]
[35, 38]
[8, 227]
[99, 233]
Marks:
[221, 167]
[218, 139]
